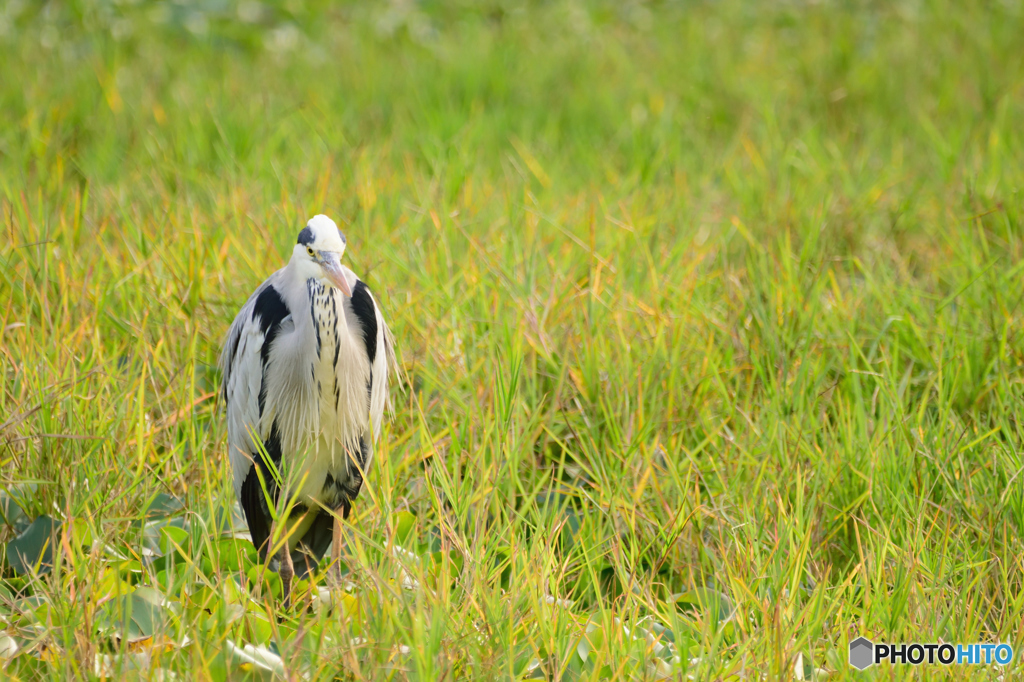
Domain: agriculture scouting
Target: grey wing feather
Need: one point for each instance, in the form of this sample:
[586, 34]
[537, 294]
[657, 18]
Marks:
[242, 377]
[384, 363]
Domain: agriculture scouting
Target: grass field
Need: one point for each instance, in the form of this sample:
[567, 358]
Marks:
[710, 314]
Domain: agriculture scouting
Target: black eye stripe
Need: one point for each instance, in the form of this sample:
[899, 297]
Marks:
[306, 237]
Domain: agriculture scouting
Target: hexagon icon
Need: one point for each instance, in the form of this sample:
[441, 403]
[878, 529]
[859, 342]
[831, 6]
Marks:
[862, 653]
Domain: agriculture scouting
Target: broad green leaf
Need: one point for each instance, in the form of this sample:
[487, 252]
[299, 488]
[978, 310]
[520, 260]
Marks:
[34, 609]
[175, 540]
[13, 586]
[232, 613]
[453, 556]
[352, 610]
[591, 641]
[705, 599]
[570, 529]
[149, 610]
[163, 505]
[15, 505]
[265, 581]
[33, 550]
[152, 536]
[170, 581]
[202, 597]
[233, 592]
[287, 629]
[405, 523]
[258, 629]
[80, 534]
[131, 570]
[236, 554]
[110, 584]
[133, 617]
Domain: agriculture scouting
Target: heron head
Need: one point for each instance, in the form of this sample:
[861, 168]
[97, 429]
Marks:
[318, 253]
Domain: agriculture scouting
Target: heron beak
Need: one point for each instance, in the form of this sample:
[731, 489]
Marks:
[332, 268]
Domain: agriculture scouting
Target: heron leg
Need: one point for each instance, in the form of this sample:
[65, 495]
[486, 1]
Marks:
[338, 539]
[285, 567]
[287, 571]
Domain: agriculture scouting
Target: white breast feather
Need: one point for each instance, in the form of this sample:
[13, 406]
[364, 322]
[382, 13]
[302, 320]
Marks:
[306, 418]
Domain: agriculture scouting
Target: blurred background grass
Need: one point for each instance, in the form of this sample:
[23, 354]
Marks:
[710, 313]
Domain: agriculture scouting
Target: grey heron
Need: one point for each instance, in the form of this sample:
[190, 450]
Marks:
[305, 381]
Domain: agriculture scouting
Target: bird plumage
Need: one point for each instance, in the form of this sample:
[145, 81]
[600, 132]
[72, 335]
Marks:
[305, 380]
